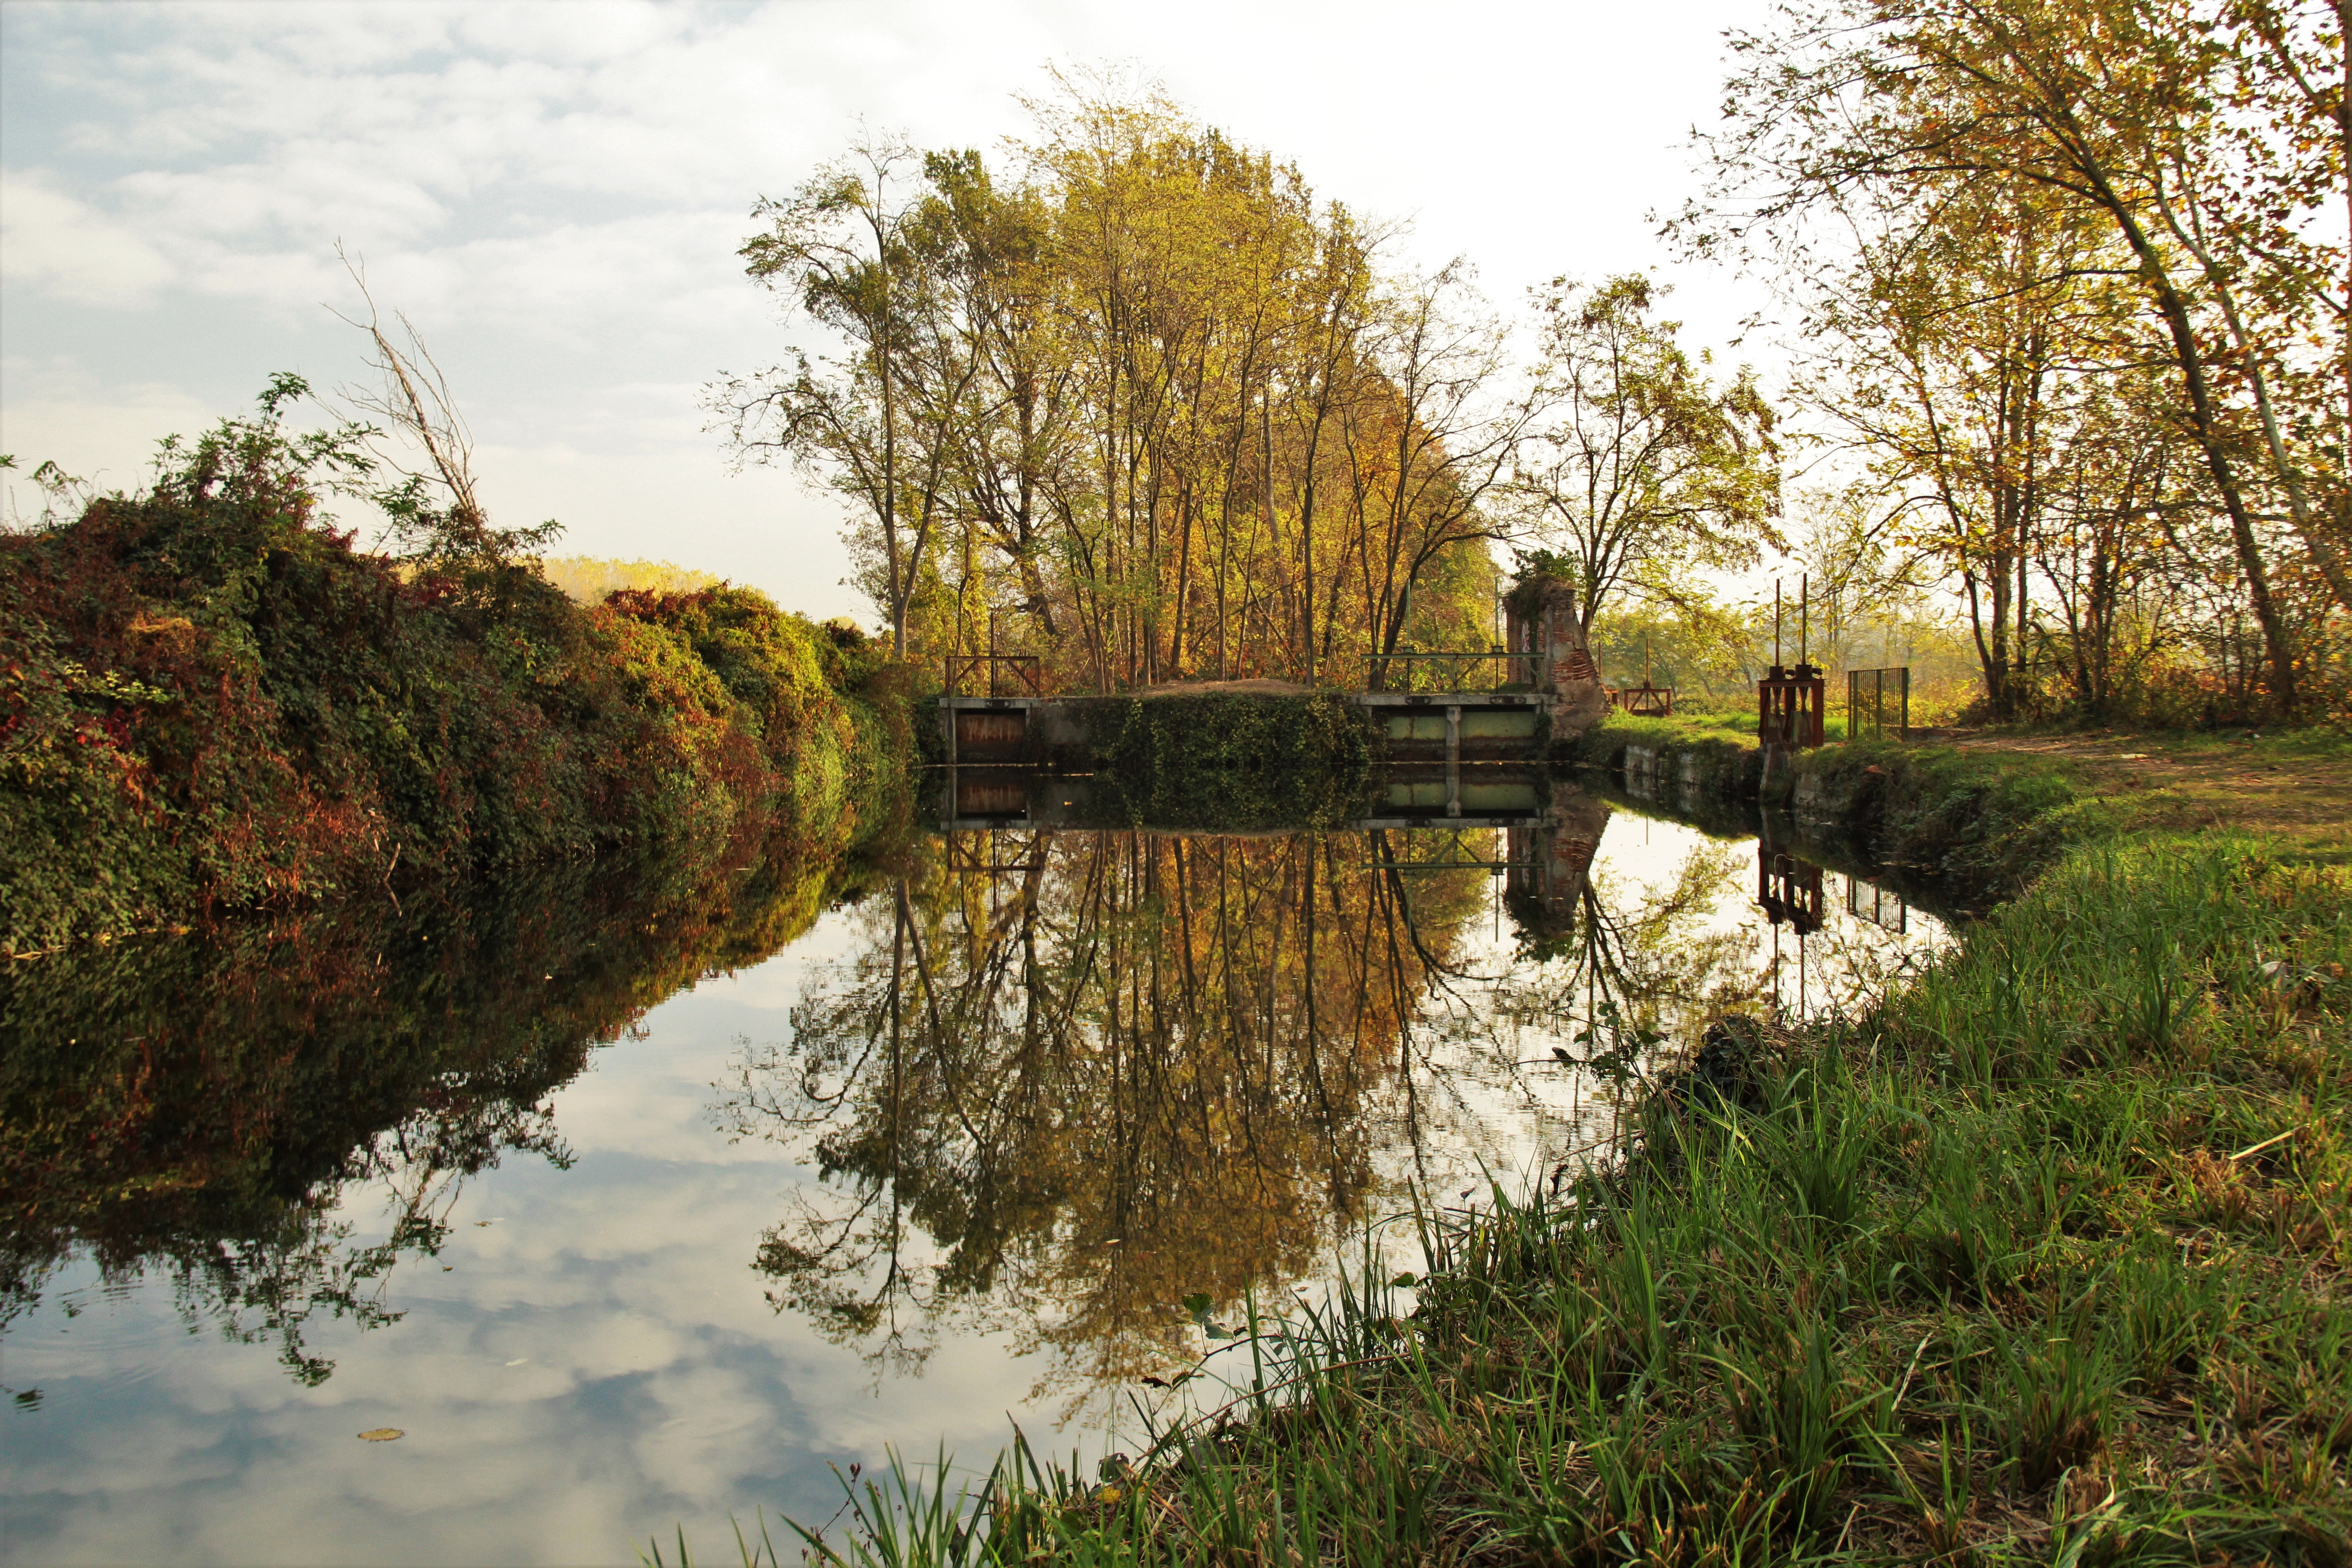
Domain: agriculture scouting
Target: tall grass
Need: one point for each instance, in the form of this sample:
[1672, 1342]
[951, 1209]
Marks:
[2042, 1260]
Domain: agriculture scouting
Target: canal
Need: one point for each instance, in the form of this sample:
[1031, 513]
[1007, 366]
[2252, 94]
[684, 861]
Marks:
[627, 1211]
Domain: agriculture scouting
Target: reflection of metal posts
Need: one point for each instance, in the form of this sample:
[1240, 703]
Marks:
[1869, 901]
[1453, 760]
[1789, 888]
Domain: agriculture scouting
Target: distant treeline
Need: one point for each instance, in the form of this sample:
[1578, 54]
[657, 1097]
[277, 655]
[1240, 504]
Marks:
[591, 581]
[208, 698]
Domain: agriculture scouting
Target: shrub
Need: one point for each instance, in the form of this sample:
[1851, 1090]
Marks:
[209, 700]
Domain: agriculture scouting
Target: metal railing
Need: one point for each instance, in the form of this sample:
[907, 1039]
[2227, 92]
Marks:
[1643, 701]
[1873, 697]
[1025, 669]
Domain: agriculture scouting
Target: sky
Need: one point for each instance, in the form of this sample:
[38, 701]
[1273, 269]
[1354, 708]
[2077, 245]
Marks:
[554, 193]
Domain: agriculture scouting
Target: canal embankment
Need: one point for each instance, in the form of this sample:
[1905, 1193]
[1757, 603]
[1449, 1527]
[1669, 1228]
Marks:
[212, 702]
[1980, 824]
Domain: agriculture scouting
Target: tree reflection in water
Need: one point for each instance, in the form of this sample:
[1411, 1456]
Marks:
[1068, 1079]
[217, 1109]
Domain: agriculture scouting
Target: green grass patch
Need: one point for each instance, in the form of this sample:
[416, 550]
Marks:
[1981, 825]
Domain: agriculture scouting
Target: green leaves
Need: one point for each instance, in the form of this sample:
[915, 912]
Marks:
[1638, 468]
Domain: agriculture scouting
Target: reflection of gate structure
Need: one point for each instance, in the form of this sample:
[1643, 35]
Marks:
[971, 799]
[1789, 890]
[1550, 858]
[1459, 857]
[995, 852]
[1868, 901]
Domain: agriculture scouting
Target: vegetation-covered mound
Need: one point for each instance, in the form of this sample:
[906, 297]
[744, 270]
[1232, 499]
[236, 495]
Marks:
[209, 699]
[1232, 761]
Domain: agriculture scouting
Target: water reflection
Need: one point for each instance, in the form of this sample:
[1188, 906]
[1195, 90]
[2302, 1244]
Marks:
[1071, 1075]
[987, 1108]
[195, 1110]
[1097, 1071]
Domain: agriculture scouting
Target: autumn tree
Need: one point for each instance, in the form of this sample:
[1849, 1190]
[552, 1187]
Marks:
[2205, 144]
[1135, 401]
[1638, 468]
[880, 417]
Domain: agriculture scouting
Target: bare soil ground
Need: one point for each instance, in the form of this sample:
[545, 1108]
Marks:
[2297, 786]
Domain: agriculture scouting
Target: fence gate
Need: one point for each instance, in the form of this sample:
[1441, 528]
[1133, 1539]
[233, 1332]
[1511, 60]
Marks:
[1878, 701]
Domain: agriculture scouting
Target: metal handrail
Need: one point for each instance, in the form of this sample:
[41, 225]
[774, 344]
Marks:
[1644, 700]
[1376, 666]
[1029, 666]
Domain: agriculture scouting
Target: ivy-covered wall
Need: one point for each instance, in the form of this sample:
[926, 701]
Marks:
[1231, 760]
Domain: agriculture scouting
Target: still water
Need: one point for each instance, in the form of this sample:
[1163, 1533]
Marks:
[630, 1210]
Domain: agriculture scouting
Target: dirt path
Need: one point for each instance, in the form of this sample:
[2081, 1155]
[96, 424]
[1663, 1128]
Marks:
[2299, 786]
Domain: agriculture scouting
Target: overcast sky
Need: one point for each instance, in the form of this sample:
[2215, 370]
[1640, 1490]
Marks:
[555, 192]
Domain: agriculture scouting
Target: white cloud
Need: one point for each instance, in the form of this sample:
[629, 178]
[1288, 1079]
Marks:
[55, 244]
[555, 193]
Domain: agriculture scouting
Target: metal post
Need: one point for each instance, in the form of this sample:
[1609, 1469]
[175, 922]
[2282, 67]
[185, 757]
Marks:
[1906, 704]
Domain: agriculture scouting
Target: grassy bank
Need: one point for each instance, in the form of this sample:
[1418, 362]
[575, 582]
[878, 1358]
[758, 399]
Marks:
[2042, 1261]
[210, 700]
